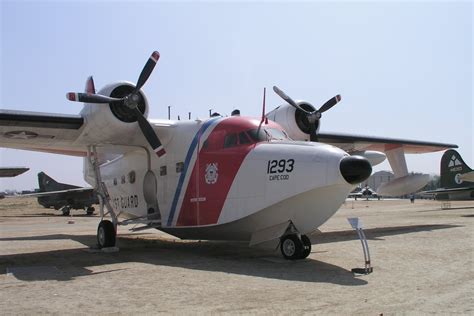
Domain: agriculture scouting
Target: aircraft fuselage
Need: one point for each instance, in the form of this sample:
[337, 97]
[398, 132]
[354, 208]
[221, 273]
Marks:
[226, 178]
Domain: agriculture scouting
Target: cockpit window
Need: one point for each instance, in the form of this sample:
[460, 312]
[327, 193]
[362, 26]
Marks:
[243, 138]
[257, 135]
[230, 140]
[277, 134]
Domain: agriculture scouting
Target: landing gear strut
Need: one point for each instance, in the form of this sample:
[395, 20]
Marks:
[107, 230]
[293, 247]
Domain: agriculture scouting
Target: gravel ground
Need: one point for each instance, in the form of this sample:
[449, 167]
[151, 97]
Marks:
[422, 258]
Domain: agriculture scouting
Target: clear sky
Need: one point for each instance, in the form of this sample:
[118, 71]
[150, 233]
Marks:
[404, 69]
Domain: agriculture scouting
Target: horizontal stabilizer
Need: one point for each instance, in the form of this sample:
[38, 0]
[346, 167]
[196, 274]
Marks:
[404, 185]
[468, 177]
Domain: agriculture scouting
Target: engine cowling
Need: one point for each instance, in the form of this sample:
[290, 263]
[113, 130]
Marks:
[106, 122]
[294, 121]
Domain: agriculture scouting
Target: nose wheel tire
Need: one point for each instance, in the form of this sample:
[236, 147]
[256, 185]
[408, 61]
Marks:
[106, 234]
[292, 247]
[306, 246]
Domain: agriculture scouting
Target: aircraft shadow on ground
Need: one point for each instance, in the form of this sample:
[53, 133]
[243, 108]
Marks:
[447, 209]
[378, 233]
[228, 257]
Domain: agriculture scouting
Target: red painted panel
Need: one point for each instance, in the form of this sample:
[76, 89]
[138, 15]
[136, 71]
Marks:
[213, 174]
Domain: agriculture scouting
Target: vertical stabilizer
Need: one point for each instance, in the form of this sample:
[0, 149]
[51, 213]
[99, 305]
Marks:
[48, 184]
[452, 167]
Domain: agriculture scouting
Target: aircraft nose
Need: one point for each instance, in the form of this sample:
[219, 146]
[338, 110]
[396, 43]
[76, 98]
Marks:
[355, 169]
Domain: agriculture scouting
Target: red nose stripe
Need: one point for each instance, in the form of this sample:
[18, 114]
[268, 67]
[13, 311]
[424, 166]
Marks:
[211, 180]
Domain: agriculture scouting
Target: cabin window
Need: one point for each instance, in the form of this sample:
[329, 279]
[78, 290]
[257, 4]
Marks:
[179, 167]
[230, 140]
[115, 181]
[123, 179]
[131, 177]
[163, 171]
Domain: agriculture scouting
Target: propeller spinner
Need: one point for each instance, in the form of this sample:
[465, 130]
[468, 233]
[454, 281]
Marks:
[131, 101]
[312, 116]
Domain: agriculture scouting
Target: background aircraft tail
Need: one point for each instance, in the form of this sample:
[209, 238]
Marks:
[452, 166]
[48, 184]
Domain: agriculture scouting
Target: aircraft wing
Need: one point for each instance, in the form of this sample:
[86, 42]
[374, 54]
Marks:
[354, 143]
[45, 132]
[395, 150]
[452, 190]
[54, 193]
[9, 172]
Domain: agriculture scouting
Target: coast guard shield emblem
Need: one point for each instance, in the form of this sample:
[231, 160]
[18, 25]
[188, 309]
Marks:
[211, 173]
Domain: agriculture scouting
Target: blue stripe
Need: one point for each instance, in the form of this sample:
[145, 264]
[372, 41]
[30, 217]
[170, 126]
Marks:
[189, 155]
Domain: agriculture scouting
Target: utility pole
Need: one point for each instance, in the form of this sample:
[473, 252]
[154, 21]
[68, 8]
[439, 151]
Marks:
[169, 112]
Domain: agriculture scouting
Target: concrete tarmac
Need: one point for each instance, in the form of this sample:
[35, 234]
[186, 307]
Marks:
[422, 258]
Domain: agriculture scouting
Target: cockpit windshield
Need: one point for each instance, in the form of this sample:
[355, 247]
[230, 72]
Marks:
[258, 135]
[265, 134]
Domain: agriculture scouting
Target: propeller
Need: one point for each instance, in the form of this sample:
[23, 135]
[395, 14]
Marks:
[312, 116]
[131, 101]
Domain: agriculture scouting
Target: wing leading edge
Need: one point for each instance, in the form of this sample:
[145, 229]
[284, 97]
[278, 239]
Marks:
[44, 132]
[352, 143]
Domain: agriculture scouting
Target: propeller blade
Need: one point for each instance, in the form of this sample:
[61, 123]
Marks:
[149, 134]
[90, 98]
[90, 87]
[147, 70]
[285, 97]
[330, 103]
[312, 134]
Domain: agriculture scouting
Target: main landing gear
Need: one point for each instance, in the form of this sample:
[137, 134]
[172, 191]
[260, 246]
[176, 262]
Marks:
[107, 230]
[294, 247]
[106, 234]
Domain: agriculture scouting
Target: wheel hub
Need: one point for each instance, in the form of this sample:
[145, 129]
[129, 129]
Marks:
[101, 236]
[289, 247]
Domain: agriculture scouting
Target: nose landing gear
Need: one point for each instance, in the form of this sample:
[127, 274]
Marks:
[294, 247]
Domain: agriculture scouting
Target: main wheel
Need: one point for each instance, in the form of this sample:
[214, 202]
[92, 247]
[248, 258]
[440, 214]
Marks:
[66, 210]
[90, 210]
[106, 234]
[291, 247]
[306, 246]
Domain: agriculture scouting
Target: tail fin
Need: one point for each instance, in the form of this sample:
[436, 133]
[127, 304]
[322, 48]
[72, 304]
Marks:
[48, 184]
[452, 166]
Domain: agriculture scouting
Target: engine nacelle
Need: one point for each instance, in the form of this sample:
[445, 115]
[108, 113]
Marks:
[106, 122]
[374, 157]
[294, 121]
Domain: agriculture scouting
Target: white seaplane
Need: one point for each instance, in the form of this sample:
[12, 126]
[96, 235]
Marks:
[273, 179]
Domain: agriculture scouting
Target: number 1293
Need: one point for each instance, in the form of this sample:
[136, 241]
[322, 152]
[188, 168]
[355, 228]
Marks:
[280, 166]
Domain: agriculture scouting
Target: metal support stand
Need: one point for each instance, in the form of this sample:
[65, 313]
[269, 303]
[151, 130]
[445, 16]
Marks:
[445, 205]
[357, 226]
